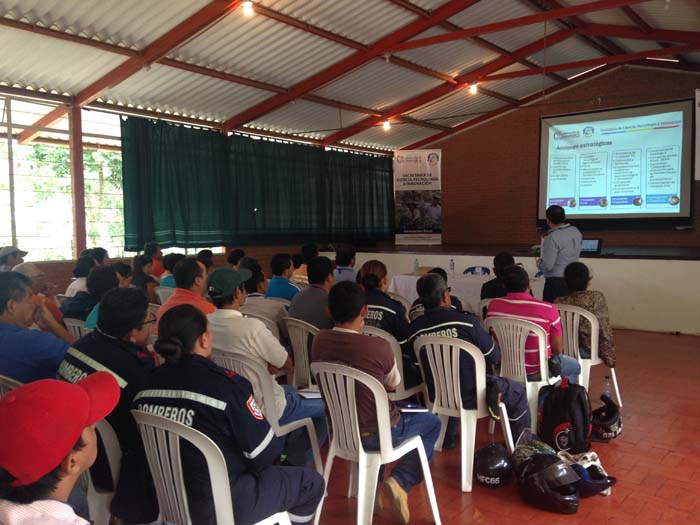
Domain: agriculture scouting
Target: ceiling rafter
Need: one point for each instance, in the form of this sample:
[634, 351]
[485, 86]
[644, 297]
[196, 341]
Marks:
[346, 65]
[664, 35]
[159, 48]
[192, 68]
[471, 77]
[642, 24]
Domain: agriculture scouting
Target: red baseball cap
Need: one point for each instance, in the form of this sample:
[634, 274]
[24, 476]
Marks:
[42, 421]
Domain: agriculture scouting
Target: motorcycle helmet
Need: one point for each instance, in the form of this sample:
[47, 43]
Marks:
[593, 481]
[523, 452]
[492, 466]
[548, 483]
[606, 420]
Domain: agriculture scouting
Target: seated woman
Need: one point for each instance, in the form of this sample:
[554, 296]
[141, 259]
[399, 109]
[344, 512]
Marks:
[142, 279]
[577, 279]
[124, 274]
[193, 390]
[82, 268]
[99, 282]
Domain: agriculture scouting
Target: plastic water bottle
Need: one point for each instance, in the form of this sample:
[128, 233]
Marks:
[606, 386]
[416, 267]
[452, 267]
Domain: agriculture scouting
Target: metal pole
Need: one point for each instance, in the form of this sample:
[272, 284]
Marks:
[11, 170]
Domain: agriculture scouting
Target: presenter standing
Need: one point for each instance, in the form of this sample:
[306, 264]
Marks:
[560, 247]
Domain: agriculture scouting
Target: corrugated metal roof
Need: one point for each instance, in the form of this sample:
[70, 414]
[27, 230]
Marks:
[176, 91]
[378, 85]
[680, 15]
[634, 45]
[429, 5]
[570, 50]
[487, 12]
[522, 86]
[307, 119]
[514, 39]
[607, 16]
[398, 136]
[365, 21]
[262, 49]
[452, 58]
[131, 23]
[31, 60]
[457, 107]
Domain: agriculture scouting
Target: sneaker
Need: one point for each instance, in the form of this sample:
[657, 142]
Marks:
[399, 499]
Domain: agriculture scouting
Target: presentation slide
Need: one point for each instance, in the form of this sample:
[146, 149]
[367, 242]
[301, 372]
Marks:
[630, 162]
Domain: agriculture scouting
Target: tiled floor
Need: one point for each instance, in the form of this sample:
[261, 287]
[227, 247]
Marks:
[656, 459]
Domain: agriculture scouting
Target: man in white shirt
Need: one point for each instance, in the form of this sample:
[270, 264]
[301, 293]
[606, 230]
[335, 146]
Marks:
[231, 332]
[256, 303]
[47, 441]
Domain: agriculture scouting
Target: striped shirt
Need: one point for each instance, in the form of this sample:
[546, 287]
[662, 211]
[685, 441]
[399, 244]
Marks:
[524, 306]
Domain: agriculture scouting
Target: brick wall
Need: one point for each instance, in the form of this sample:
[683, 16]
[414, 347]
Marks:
[489, 173]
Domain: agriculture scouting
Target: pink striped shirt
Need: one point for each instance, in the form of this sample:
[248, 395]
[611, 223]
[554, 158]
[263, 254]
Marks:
[524, 306]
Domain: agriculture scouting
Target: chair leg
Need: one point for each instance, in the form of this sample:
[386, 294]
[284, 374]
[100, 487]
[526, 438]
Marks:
[443, 431]
[367, 474]
[533, 389]
[492, 426]
[585, 376]
[326, 477]
[468, 441]
[505, 428]
[352, 483]
[613, 376]
[313, 439]
[429, 484]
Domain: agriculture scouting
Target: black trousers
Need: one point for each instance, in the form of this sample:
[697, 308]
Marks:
[554, 287]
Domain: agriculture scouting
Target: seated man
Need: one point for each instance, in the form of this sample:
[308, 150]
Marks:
[10, 256]
[40, 288]
[191, 286]
[118, 346]
[99, 282]
[441, 320]
[206, 257]
[280, 285]
[47, 441]
[169, 261]
[345, 263]
[300, 275]
[192, 389]
[231, 332]
[345, 344]
[27, 355]
[234, 257]
[418, 309]
[520, 303]
[495, 287]
[256, 302]
[311, 304]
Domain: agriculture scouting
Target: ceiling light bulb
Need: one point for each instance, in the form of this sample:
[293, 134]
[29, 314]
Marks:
[248, 9]
[386, 125]
[473, 89]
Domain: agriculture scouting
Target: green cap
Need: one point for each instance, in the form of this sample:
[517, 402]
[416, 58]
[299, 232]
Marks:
[224, 281]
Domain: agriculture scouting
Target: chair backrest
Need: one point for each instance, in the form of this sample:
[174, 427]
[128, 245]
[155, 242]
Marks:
[478, 270]
[401, 299]
[285, 302]
[60, 298]
[512, 333]
[398, 356]
[76, 327]
[443, 359]
[269, 323]
[415, 313]
[112, 448]
[7, 384]
[299, 332]
[338, 388]
[570, 322]
[260, 378]
[161, 439]
[164, 292]
[483, 308]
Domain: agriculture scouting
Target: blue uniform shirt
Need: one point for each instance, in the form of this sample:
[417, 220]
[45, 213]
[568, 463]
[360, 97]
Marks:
[447, 322]
[344, 273]
[29, 355]
[282, 288]
[560, 247]
[385, 313]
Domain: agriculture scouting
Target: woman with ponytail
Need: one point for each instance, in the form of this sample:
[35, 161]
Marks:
[193, 390]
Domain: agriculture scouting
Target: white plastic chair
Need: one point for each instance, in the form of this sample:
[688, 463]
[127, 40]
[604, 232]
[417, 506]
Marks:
[7, 384]
[76, 327]
[401, 299]
[570, 321]
[401, 392]
[261, 378]
[60, 298]
[512, 333]
[161, 438]
[483, 305]
[337, 384]
[269, 323]
[443, 355]
[99, 502]
[299, 332]
[164, 292]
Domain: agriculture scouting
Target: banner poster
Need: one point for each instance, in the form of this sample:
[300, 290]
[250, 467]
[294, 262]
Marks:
[417, 196]
[697, 134]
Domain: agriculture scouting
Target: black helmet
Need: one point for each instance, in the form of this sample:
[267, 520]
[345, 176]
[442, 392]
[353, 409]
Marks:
[606, 420]
[546, 482]
[492, 466]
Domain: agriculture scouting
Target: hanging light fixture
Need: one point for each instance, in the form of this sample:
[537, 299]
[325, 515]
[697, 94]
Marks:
[473, 89]
[248, 8]
[386, 125]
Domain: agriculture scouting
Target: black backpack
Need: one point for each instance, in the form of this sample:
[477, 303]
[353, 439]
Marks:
[564, 417]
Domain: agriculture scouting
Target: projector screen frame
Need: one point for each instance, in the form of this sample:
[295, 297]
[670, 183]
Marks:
[625, 223]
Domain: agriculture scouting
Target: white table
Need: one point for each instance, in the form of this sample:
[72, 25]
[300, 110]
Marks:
[467, 288]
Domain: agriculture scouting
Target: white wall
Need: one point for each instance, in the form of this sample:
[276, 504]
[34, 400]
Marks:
[642, 294]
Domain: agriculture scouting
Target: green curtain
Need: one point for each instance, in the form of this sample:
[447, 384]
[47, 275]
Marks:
[187, 187]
